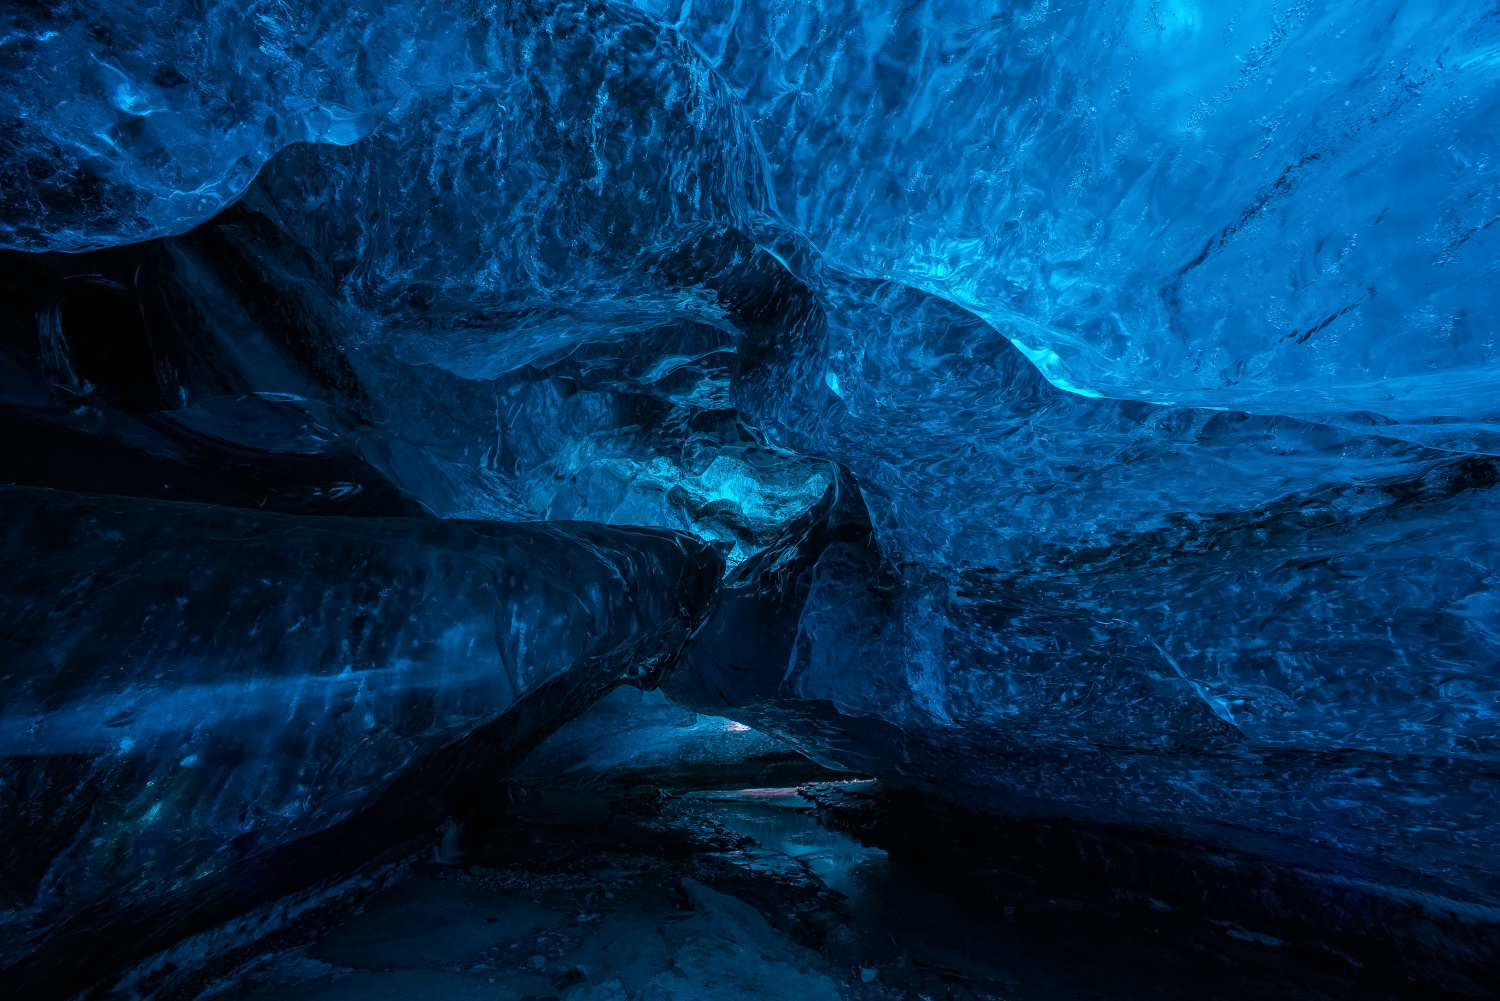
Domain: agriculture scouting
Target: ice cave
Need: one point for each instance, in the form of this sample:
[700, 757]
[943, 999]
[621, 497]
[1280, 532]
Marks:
[711, 500]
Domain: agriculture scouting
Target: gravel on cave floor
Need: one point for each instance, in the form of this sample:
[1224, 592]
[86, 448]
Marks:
[732, 895]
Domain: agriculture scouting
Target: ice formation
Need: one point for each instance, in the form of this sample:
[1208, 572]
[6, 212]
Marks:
[195, 694]
[1093, 403]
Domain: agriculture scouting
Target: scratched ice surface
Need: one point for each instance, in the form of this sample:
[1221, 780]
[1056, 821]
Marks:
[1147, 348]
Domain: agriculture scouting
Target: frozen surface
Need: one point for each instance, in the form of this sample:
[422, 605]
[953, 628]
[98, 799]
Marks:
[1147, 350]
[1082, 659]
[1253, 205]
[190, 689]
[1264, 206]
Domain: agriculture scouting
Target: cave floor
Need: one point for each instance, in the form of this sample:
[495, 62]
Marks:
[734, 895]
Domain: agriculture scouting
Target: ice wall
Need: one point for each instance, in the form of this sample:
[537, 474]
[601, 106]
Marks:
[1247, 205]
[1258, 206]
[205, 707]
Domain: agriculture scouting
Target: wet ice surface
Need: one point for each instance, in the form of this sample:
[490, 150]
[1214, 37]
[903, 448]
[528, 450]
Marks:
[778, 821]
[1157, 345]
[736, 894]
[632, 736]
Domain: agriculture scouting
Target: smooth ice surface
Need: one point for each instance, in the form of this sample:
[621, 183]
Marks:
[632, 736]
[191, 688]
[1144, 352]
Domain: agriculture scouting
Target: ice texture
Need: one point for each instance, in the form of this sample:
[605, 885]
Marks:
[1261, 206]
[130, 120]
[194, 693]
[1140, 195]
[1094, 401]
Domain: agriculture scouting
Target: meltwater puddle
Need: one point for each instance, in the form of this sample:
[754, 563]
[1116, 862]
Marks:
[783, 821]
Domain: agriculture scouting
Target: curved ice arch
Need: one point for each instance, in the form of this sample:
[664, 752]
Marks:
[128, 121]
[1276, 208]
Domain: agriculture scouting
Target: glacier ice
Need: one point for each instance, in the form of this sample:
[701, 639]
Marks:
[202, 703]
[1092, 401]
[1141, 194]
[1133, 192]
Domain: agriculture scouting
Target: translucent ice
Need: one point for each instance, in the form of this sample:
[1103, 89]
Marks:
[1143, 352]
[202, 704]
[1208, 204]
[1275, 207]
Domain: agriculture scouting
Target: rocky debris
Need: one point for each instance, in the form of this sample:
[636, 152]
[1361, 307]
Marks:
[563, 900]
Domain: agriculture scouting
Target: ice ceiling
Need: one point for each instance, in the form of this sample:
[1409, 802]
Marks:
[1093, 403]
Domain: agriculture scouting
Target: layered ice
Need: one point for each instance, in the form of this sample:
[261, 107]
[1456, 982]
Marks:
[202, 704]
[1140, 195]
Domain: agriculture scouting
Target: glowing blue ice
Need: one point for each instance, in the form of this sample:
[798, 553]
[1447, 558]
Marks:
[1151, 344]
